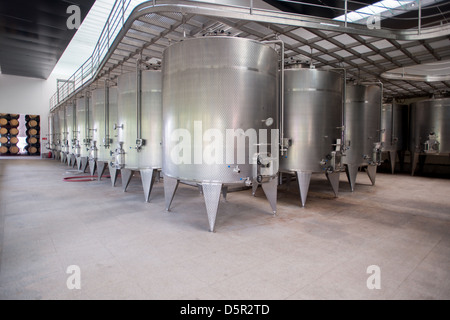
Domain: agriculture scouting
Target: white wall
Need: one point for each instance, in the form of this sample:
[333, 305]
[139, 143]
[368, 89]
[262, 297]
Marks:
[27, 96]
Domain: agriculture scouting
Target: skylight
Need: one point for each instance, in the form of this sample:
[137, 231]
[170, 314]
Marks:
[384, 9]
[83, 42]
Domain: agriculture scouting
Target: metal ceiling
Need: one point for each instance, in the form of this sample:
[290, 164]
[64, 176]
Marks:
[33, 35]
[365, 53]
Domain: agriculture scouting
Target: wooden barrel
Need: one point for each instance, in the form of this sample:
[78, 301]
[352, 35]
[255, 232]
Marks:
[3, 122]
[32, 140]
[4, 149]
[14, 131]
[14, 149]
[31, 116]
[14, 123]
[33, 150]
[32, 132]
[3, 140]
[32, 124]
[13, 140]
[14, 116]
[3, 131]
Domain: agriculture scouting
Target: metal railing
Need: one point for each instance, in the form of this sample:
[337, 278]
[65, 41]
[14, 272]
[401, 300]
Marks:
[85, 73]
[121, 10]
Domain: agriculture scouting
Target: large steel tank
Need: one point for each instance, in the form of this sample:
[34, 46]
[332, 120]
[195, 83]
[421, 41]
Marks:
[104, 116]
[313, 102]
[51, 134]
[62, 142]
[394, 131]
[429, 129]
[139, 127]
[71, 134]
[214, 88]
[56, 136]
[83, 132]
[362, 123]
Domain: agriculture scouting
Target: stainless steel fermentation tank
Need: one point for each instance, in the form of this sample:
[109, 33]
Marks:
[394, 131]
[362, 130]
[214, 87]
[139, 128]
[51, 134]
[70, 144]
[430, 130]
[56, 136]
[82, 133]
[61, 143]
[104, 116]
[313, 103]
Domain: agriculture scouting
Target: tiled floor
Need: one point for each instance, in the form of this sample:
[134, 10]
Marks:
[129, 249]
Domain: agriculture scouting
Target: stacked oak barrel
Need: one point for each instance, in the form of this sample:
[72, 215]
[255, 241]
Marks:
[33, 146]
[9, 131]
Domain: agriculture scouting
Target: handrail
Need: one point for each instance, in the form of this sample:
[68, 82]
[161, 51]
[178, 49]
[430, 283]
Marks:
[114, 23]
[117, 21]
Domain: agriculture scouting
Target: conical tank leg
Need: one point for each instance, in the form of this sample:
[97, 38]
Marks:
[148, 177]
[84, 163]
[114, 173]
[392, 159]
[92, 166]
[78, 160]
[333, 178]
[414, 161]
[224, 192]
[255, 185]
[74, 160]
[352, 171]
[303, 179]
[126, 174]
[372, 173]
[101, 167]
[69, 160]
[270, 189]
[63, 157]
[170, 187]
[211, 192]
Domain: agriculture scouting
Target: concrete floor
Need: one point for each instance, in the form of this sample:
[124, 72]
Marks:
[129, 249]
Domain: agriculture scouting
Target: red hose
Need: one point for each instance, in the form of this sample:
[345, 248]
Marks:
[82, 178]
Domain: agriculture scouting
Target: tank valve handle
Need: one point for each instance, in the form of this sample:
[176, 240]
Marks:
[139, 144]
[432, 144]
[116, 126]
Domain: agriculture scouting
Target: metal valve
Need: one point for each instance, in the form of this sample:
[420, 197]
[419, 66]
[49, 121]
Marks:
[432, 144]
[139, 144]
[119, 156]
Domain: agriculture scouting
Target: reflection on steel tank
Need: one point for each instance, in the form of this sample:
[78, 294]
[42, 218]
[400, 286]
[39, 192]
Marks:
[313, 104]
[362, 130]
[430, 130]
[139, 128]
[214, 86]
